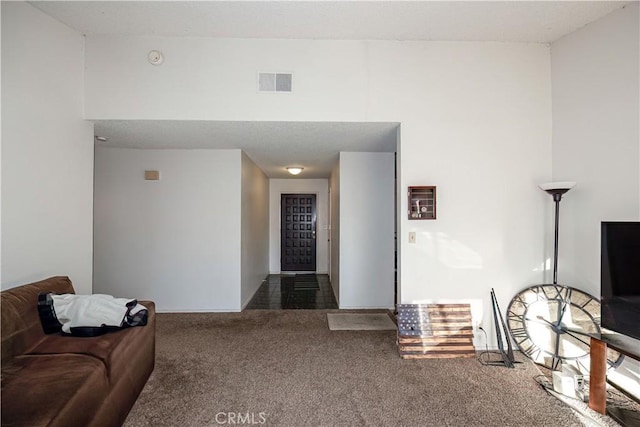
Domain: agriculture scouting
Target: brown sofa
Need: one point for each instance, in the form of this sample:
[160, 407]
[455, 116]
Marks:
[55, 380]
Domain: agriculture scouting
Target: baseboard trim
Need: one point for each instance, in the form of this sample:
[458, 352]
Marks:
[200, 310]
[253, 294]
[377, 307]
[299, 272]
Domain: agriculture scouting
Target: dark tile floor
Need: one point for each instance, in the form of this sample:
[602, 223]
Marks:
[282, 291]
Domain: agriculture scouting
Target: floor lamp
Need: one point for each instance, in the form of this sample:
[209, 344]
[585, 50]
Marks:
[556, 189]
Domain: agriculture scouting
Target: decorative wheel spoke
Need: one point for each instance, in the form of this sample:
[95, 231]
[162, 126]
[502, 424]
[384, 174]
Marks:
[579, 339]
[540, 320]
[574, 331]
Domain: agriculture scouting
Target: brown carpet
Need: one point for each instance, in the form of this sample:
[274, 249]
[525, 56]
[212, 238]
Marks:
[286, 368]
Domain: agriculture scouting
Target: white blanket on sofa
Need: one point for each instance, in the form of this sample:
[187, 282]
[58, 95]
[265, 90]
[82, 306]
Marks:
[92, 310]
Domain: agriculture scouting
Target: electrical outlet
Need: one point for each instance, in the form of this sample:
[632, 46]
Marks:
[412, 237]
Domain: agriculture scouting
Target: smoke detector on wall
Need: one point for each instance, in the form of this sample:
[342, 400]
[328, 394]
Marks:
[155, 57]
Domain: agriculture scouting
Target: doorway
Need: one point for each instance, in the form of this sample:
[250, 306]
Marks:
[298, 232]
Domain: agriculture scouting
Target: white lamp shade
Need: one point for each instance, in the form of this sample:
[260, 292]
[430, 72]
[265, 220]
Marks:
[564, 185]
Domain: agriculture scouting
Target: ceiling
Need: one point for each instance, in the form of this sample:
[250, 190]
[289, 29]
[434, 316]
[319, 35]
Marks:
[506, 21]
[313, 145]
[271, 145]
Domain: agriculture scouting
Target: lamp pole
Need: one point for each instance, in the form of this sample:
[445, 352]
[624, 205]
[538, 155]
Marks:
[556, 189]
[556, 198]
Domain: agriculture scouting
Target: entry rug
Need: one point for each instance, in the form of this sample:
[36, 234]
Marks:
[360, 322]
[305, 282]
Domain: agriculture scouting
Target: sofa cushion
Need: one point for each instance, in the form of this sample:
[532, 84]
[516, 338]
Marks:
[52, 390]
[116, 350]
[21, 328]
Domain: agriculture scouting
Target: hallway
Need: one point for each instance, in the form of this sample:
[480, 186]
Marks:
[294, 291]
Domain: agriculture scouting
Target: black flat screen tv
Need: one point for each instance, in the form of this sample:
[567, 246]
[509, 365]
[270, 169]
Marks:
[620, 277]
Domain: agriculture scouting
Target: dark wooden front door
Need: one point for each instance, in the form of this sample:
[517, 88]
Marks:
[298, 232]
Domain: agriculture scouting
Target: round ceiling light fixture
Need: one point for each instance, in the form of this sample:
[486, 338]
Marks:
[101, 138]
[294, 170]
[155, 57]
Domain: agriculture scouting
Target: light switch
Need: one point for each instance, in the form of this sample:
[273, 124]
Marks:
[412, 237]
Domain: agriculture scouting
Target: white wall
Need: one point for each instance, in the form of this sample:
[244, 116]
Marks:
[476, 122]
[596, 139]
[596, 142]
[255, 228]
[320, 187]
[207, 78]
[175, 241]
[366, 230]
[47, 152]
[1, 282]
[334, 227]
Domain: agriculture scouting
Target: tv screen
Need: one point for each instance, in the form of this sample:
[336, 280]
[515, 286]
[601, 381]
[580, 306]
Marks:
[620, 277]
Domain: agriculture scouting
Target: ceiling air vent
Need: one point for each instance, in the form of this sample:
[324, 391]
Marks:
[275, 82]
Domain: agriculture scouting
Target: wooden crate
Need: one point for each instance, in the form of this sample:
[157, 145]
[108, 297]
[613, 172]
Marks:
[430, 331]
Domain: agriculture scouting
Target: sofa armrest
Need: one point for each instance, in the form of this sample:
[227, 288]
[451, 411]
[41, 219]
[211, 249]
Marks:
[21, 327]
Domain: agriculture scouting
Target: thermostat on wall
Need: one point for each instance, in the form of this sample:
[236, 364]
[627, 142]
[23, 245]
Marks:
[152, 175]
